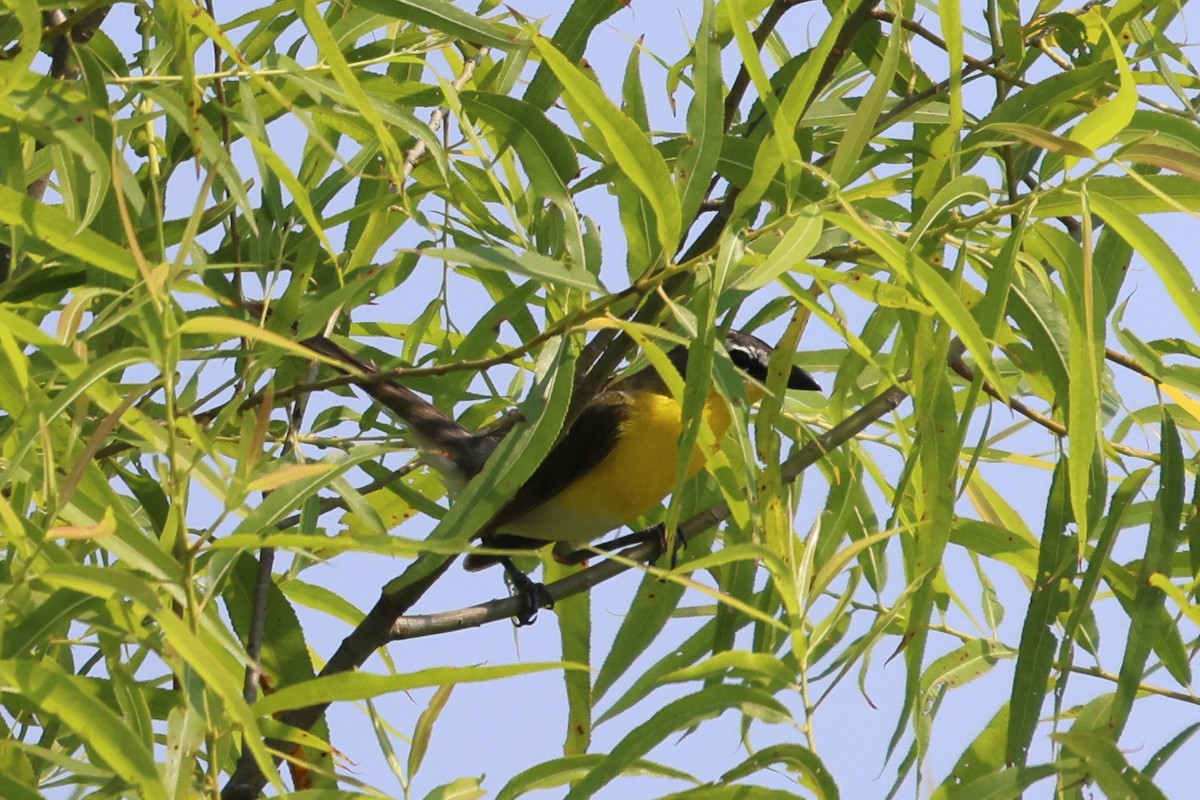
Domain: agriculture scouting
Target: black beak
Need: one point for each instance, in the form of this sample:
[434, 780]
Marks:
[751, 354]
[799, 379]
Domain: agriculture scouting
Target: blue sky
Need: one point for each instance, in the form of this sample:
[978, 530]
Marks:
[498, 729]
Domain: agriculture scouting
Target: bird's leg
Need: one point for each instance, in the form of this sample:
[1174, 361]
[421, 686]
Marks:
[658, 531]
[533, 595]
[680, 543]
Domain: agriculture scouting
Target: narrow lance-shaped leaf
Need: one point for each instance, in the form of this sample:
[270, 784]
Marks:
[929, 283]
[628, 145]
[63, 699]
[574, 616]
[1175, 275]
[530, 265]
[796, 100]
[571, 39]
[1103, 123]
[13, 70]
[345, 686]
[328, 47]
[1056, 565]
[860, 130]
[1114, 521]
[676, 716]
[1148, 601]
[705, 120]
[447, 18]
[546, 153]
[1085, 357]
[50, 225]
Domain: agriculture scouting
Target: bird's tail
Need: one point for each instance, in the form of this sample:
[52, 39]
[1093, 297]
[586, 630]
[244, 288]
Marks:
[448, 446]
[439, 436]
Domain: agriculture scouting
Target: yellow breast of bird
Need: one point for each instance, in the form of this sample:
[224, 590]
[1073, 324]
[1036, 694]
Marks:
[632, 480]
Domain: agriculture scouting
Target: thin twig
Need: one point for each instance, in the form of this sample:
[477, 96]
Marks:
[411, 627]
[1055, 427]
[937, 41]
[966, 373]
[1120, 359]
[437, 118]
[385, 622]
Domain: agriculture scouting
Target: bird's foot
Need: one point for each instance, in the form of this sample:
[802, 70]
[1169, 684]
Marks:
[660, 531]
[532, 595]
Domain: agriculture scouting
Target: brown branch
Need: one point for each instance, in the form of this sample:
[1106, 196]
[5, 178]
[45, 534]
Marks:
[741, 81]
[937, 41]
[1120, 359]
[966, 373]
[602, 355]
[1057, 428]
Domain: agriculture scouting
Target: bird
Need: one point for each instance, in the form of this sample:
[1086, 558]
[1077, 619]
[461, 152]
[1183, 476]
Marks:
[615, 463]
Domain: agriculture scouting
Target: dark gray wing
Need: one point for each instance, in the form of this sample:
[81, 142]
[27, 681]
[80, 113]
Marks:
[585, 446]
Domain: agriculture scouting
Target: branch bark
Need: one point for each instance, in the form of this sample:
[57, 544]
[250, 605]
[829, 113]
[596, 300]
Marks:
[386, 622]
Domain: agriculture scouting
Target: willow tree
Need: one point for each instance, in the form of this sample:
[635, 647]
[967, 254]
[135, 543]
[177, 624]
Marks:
[963, 215]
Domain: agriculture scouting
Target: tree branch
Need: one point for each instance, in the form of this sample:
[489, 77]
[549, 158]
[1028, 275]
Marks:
[248, 780]
[1057, 428]
[386, 622]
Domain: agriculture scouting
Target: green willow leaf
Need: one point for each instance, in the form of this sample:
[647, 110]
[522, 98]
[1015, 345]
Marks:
[448, 18]
[1114, 776]
[62, 698]
[530, 265]
[628, 145]
[14, 70]
[1045, 104]
[678, 715]
[1004, 784]
[795, 244]
[929, 283]
[705, 120]
[571, 39]
[653, 606]
[1056, 565]
[51, 226]
[562, 771]
[1148, 602]
[1175, 275]
[814, 776]
[1103, 123]
[348, 686]
[960, 666]
[519, 453]
[549, 158]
